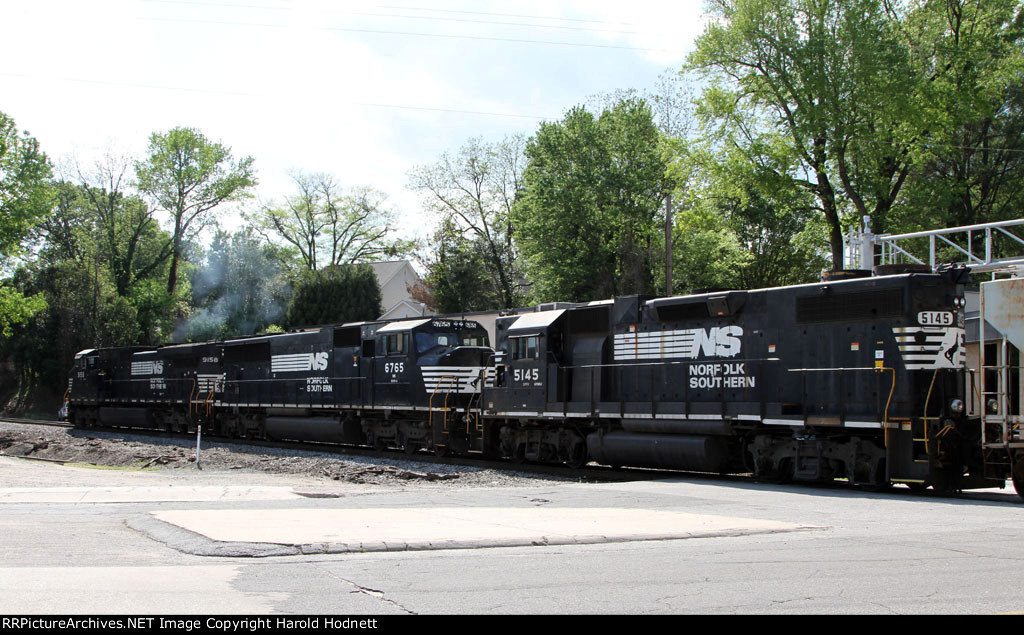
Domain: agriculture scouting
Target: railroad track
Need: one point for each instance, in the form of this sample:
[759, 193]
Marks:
[584, 474]
[588, 473]
[38, 422]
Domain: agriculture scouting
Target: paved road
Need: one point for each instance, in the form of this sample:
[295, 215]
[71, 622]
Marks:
[97, 541]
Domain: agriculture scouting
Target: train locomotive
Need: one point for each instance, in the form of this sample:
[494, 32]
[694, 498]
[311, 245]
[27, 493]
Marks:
[863, 380]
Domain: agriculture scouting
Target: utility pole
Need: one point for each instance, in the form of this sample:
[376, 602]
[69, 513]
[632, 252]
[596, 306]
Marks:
[668, 243]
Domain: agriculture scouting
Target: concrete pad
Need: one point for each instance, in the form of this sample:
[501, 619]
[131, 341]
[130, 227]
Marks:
[135, 591]
[399, 529]
[166, 493]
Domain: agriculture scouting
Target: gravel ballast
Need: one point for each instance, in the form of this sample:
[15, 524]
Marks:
[152, 453]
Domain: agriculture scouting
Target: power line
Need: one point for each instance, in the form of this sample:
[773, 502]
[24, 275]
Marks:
[418, 17]
[416, 34]
[247, 94]
[496, 22]
[506, 15]
[102, 82]
[465, 112]
[221, 4]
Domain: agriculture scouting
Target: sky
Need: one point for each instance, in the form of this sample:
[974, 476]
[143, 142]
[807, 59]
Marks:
[362, 90]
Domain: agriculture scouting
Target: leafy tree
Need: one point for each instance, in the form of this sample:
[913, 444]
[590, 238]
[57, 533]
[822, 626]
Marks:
[17, 309]
[25, 193]
[101, 265]
[587, 218]
[124, 227]
[83, 311]
[850, 91]
[473, 193]
[189, 176]
[830, 80]
[457, 274]
[329, 227]
[341, 293]
[972, 168]
[764, 228]
[25, 198]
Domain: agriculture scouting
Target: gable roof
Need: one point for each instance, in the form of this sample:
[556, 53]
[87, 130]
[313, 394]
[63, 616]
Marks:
[385, 271]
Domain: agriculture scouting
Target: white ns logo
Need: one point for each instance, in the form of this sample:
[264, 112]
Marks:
[319, 361]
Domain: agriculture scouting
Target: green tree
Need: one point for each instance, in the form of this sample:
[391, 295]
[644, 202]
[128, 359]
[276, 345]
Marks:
[329, 227]
[189, 176]
[829, 79]
[473, 193]
[99, 267]
[763, 228]
[25, 192]
[971, 170]
[457, 273]
[17, 309]
[588, 216]
[124, 226]
[26, 197]
[853, 91]
[341, 293]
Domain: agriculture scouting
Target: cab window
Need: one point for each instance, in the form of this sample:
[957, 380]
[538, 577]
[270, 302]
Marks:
[474, 339]
[524, 347]
[396, 343]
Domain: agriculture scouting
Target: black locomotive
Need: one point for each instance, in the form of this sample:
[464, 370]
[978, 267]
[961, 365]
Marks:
[861, 379]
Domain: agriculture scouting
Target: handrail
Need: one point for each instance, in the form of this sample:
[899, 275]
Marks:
[444, 409]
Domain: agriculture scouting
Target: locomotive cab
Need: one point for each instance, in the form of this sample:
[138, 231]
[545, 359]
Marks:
[532, 355]
[100, 388]
[420, 361]
[427, 375]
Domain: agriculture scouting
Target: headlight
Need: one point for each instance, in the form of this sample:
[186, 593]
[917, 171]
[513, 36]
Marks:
[992, 406]
[956, 406]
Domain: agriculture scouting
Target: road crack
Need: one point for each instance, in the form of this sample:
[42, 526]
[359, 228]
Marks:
[365, 590]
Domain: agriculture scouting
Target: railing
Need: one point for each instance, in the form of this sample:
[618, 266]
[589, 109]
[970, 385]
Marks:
[979, 255]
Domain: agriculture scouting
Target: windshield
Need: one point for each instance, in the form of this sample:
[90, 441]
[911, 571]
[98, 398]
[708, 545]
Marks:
[427, 341]
[474, 338]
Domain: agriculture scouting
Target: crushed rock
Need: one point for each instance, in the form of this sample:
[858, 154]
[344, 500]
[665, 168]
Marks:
[65, 445]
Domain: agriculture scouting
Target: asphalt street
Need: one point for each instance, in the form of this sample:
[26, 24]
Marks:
[79, 540]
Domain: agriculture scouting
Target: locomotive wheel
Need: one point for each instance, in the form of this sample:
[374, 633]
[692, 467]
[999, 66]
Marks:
[881, 481]
[1018, 476]
[441, 450]
[578, 458]
[409, 447]
[783, 472]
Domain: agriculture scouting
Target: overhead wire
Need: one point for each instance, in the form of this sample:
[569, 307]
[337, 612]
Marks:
[507, 15]
[249, 94]
[415, 34]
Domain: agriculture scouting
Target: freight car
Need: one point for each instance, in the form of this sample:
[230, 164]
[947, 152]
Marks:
[860, 379]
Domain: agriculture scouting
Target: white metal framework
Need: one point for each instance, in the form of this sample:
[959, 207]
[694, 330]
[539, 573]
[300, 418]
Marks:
[977, 252]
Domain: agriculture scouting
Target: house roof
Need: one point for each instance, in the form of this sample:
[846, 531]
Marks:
[385, 271]
[411, 307]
